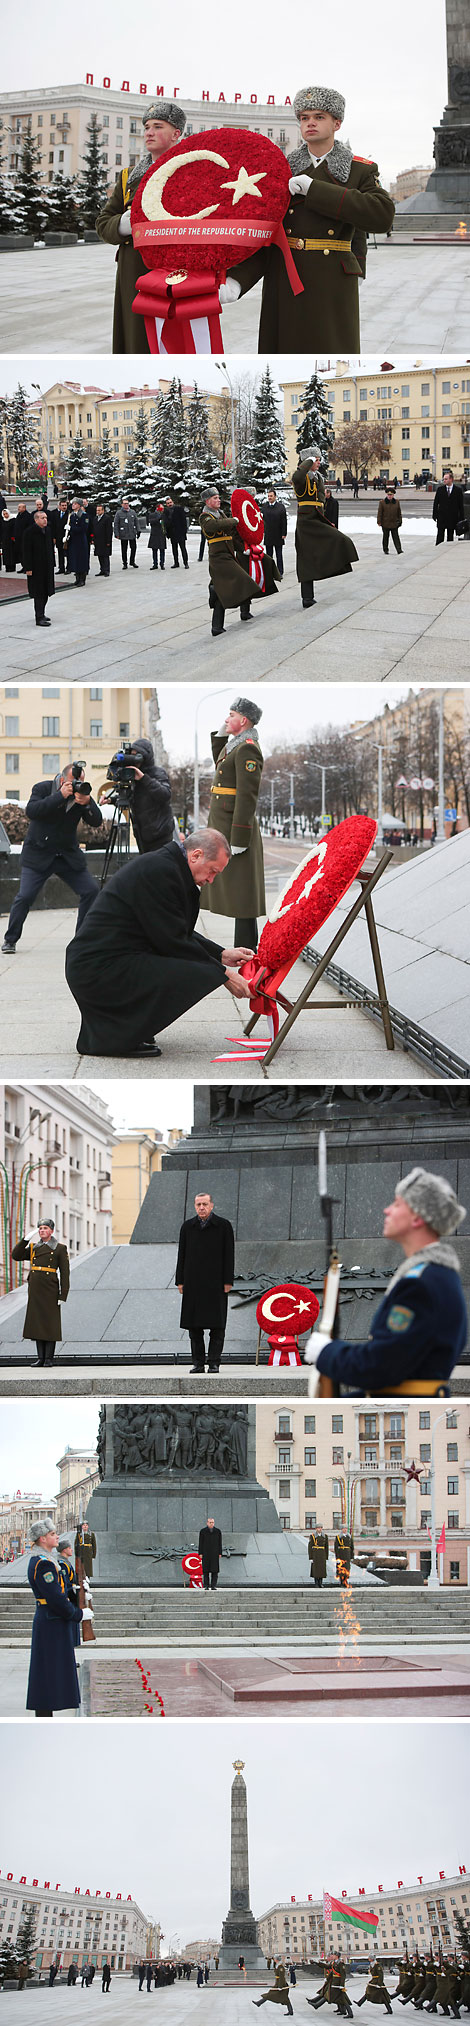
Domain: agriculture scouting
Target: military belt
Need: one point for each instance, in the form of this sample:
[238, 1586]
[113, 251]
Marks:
[436, 1388]
[223, 791]
[218, 538]
[44, 1269]
[319, 245]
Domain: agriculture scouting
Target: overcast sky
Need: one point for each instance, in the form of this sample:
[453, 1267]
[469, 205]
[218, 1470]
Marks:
[328, 1806]
[392, 70]
[32, 1437]
[141, 1104]
[112, 374]
[290, 710]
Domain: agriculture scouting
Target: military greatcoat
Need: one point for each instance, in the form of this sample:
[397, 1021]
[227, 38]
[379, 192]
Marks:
[239, 890]
[49, 1277]
[318, 1549]
[321, 227]
[321, 549]
[53, 1679]
[85, 1549]
[228, 574]
[344, 1548]
[129, 333]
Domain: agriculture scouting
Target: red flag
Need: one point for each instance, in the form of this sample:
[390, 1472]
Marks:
[441, 1543]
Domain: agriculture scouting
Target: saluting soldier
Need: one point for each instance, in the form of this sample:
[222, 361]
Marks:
[48, 1285]
[420, 1328]
[238, 890]
[85, 1548]
[163, 124]
[318, 1551]
[53, 1680]
[344, 1550]
[336, 199]
[321, 549]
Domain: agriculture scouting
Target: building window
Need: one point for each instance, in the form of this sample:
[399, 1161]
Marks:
[284, 1488]
[425, 1452]
[452, 1452]
[455, 1572]
[452, 1487]
[453, 1522]
[311, 1521]
[12, 763]
[96, 728]
[451, 1419]
[50, 692]
[118, 161]
[310, 1456]
[396, 1491]
[310, 1487]
[425, 1522]
[337, 1424]
[12, 692]
[425, 1419]
[405, 458]
[284, 1456]
[96, 696]
[12, 728]
[338, 1456]
[51, 728]
[426, 434]
[405, 436]
[425, 1487]
[370, 1424]
[284, 1424]
[309, 1424]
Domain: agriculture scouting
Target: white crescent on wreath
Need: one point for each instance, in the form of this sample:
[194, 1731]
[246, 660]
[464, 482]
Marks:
[152, 194]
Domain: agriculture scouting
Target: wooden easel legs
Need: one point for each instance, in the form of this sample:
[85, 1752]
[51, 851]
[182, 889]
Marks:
[368, 881]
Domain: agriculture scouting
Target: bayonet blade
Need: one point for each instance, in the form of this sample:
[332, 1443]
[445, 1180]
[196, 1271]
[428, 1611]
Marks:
[322, 1165]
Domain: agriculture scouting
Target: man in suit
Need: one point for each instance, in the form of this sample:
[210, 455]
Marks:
[204, 1276]
[210, 1549]
[447, 508]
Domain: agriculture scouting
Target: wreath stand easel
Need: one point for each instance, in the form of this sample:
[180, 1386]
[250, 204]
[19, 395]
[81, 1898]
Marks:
[367, 883]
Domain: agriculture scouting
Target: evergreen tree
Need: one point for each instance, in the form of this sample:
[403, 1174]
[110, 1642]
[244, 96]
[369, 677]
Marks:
[202, 467]
[22, 437]
[316, 426]
[93, 183]
[107, 483]
[26, 1939]
[8, 1962]
[173, 453]
[138, 484]
[264, 457]
[61, 200]
[79, 473]
[463, 1930]
[30, 187]
[12, 218]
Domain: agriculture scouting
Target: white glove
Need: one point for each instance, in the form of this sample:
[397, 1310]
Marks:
[87, 1616]
[125, 227]
[315, 1344]
[229, 291]
[298, 185]
[238, 850]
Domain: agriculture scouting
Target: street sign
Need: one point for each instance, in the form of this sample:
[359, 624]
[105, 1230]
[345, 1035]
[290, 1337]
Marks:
[450, 815]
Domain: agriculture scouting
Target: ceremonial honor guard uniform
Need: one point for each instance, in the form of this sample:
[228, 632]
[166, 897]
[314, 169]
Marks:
[85, 1549]
[229, 582]
[375, 1991]
[53, 1679]
[344, 1550]
[71, 1584]
[420, 1328]
[318, 1550]
[49, 1278]
[321, 549]
[238, 890]
[326, 226]
[129, 333]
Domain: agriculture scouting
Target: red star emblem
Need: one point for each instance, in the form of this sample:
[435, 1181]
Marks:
[412, 1473]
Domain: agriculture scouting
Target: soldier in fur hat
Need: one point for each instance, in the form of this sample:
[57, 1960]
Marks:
[336, 199]
[238, 890]
[420, 1328]
[320, 549]
[48, 1285]
[163, 124]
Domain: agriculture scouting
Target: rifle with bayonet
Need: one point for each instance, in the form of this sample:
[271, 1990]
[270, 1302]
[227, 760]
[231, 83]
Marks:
[319, 1385]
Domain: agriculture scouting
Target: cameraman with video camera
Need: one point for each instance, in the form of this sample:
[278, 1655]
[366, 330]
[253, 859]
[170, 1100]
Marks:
[55, 809]
[151, 813]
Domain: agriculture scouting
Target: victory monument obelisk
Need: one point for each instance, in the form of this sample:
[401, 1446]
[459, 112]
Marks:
[445, 202]
[240, 1932]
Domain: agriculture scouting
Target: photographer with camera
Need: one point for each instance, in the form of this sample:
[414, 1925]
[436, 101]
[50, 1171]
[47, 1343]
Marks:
[152, 816]
[55, 809]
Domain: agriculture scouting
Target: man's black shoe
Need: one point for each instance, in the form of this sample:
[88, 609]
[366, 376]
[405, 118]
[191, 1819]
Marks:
[43, 622]
[8, 948]
[244, 616]
[134, 566]
[148, 1050]
[196, 1368]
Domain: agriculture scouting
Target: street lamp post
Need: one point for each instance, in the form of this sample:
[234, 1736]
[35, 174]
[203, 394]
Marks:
[223, 368]
[440, 831]
[291, 806]
[433, 1578]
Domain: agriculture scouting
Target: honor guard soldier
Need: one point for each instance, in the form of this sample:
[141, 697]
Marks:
[238, 890]
[320, 549]
[53, 1679]
[85, 1549]
[420, 1328]
[336, 200]
[229, 582]
[48, 1285]
[163, 124]
[66, 1564]
[344, 1550]
[318, 1551]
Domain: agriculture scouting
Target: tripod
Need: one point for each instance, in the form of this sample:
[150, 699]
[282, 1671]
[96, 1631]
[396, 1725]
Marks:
[118, 842]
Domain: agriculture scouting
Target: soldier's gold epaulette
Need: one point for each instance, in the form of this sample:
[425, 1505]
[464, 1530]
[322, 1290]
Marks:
[369, 159]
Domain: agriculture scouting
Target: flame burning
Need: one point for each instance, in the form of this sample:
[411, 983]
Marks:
[461, 231]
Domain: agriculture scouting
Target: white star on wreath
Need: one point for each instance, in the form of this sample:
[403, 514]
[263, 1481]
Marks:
[245, 185]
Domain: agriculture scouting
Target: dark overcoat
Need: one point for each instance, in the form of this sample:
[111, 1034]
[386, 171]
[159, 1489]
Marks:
[53, 825]
[239, 889]
[71, 1590]
[417, 1334]
[227, 572]
[129, 333]
[344, 1548]
[389, 514]
[318, 1549]
[103, 535]
[152, 814]
[8, 541]
[85, 1550]
[78, 547]
[321, 549]
[326, 317]
[22, 522]
[210, 1549]
[447, 507]
[205, 1265]
[53, 1679]
[157, 536]
[135, 965]
[49, 1276]
[38, 558]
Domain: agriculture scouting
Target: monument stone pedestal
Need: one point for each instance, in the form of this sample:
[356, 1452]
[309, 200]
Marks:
[240, 1931]
[445, 203]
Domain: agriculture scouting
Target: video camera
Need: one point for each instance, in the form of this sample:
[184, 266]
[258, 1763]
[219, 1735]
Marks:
[121, 773]
[79, 787]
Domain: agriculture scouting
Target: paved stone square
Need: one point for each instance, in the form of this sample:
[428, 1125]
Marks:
[406, 615]
[415, 296]
[221, 2005]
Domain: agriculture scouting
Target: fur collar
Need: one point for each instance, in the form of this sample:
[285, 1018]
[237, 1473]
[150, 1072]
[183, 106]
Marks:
[136, 174]
[439, 1254]
[338, 163]
[239, 739]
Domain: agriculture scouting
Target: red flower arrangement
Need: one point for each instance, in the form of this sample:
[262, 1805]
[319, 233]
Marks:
[148, 1690]
[314, 892]
[168, 222]
[290, 1309]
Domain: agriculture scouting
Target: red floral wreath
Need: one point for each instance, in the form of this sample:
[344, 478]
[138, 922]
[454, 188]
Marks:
[193, 187]
[334, 865]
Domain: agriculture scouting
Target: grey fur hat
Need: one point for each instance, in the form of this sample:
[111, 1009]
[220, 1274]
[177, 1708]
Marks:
[44, 1526]
[166, 109]
[433, 1199]
[248, 710]
[65, 1541]
[322, 98]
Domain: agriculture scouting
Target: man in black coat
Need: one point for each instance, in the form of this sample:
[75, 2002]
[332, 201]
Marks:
[38, 557]
[138, 965]
[204, 1276]
[103, 539]
[331, 507]
[23, 521]
[275, 527]
[152, 816]
[58, 518]
[175, 521]
[447, 508]
[55, 809]
[210, 1549]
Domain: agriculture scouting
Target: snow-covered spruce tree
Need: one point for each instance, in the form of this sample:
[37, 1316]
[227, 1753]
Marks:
[31, 189]
[79, 472]
[107, 481]
[203, 468]
[137, 483]
[93, 182]
[173, 441]
[26, 1939]
[22, 438]
[62, 209]
[316, 425]
[264, 457]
